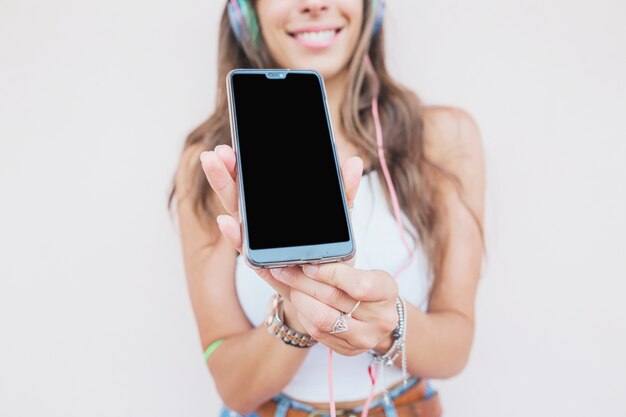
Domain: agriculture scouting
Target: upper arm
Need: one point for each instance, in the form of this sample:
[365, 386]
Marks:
[209, 263]
[452, 140]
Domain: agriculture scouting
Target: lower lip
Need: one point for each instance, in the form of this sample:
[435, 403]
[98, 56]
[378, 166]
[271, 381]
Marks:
[317, 44]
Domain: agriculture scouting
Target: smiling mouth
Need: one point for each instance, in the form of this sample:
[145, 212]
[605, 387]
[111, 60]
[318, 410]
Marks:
[315, 36]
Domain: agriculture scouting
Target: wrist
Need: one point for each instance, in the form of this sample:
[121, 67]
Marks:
[276, 326]
[398, 347]
[387, 342]
[390, 341]
[290, 317]
[384, 345]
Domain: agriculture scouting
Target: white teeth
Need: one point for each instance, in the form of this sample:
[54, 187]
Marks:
[316, 36]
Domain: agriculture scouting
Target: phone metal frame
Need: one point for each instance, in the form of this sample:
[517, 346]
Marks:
[292, 255]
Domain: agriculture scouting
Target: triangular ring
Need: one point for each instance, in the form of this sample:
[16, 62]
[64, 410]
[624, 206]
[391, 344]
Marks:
[341, 325]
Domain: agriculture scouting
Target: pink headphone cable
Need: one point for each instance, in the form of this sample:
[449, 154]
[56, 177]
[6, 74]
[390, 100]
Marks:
[373, 372]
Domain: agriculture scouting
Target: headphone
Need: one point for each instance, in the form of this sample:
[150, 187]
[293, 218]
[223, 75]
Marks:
[245, 25]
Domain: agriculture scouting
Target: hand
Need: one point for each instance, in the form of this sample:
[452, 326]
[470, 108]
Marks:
[220, 171]
[321, 292]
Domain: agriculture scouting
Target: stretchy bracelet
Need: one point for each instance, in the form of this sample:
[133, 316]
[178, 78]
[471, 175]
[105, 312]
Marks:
[288, 335]
[398, 347]
[405, 375]
[212, 348]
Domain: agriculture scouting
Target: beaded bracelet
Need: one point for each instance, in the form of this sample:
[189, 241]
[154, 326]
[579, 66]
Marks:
[398, 347]
[288, 335]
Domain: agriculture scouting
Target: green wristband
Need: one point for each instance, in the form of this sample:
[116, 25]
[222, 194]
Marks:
[211, 348]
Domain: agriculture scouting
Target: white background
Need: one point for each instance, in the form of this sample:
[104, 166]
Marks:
[96, 98]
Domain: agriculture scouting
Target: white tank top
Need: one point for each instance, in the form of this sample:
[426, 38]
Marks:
[378, 246]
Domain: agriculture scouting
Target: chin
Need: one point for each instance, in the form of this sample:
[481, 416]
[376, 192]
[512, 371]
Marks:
[326, 69]
[328, 73]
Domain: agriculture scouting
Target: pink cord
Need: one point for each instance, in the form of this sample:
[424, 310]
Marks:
[392, 190]
[373, 377]
[333, 413]
[396, 212]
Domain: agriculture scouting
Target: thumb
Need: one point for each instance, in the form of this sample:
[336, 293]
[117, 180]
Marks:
[351, 171]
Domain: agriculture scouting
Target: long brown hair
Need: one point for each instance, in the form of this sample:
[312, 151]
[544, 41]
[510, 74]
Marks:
[414, 175]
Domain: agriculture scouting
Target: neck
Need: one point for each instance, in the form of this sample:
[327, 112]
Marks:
[335, 90]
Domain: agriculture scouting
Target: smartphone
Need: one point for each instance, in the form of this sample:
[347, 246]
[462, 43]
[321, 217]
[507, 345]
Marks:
[291, 198]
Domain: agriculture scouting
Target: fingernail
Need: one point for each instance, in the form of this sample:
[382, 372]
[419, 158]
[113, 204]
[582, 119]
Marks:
[204, 155]
[277, 272]
[310, 270]
[220, 219]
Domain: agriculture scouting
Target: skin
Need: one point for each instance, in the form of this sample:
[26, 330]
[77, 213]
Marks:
[438, 341]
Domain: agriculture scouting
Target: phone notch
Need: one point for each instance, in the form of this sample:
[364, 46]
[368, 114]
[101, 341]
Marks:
[276, 75]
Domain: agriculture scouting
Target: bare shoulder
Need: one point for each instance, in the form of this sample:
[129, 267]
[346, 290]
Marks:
[449, 131]
[452, 140]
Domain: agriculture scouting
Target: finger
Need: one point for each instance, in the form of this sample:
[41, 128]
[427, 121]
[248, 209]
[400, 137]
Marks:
[321, 319]
[327, 294]
[360, 284]
[350, 261]
[231, 230]
[221, 181]
[338, 345]
[227, 155]
[351, 171]
[282, 289]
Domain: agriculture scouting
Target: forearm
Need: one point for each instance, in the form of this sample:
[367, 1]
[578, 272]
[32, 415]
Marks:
[437, 343]
[251, 367]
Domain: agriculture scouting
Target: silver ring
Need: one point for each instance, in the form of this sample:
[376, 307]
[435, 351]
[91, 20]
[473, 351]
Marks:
[341, 324]
[354, 308]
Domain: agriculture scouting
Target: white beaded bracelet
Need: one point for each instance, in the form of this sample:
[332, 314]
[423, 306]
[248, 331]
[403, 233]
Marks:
[398, 347]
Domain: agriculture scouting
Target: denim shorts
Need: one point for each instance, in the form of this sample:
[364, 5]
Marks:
[285, 402]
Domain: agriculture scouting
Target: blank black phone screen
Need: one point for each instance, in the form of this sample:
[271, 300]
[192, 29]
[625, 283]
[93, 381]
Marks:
[290, 181]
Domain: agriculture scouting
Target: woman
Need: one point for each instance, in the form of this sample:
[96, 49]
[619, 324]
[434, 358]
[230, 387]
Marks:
[434, 157]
